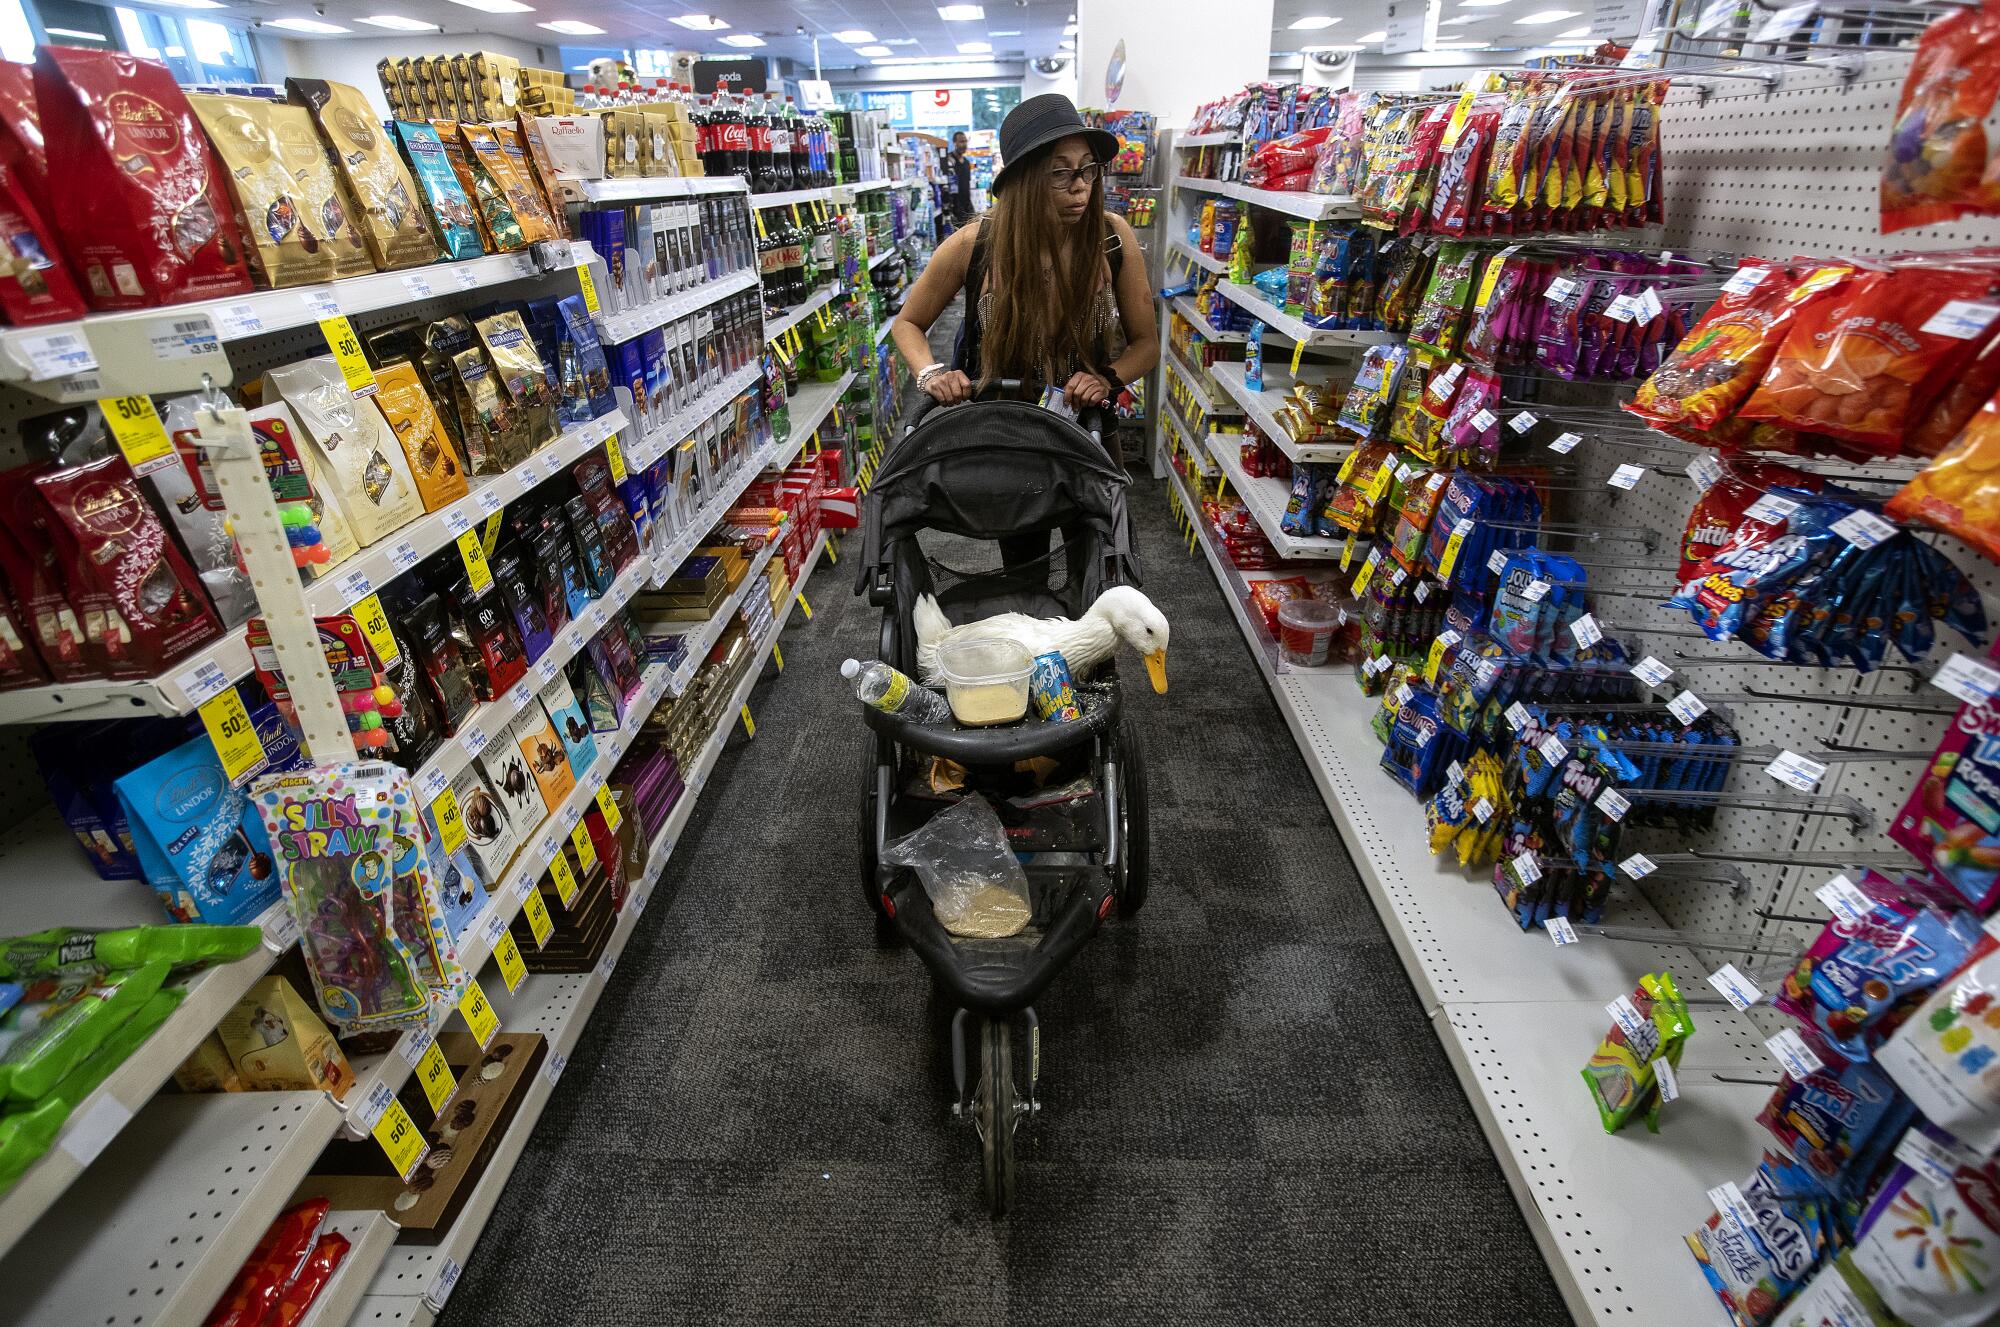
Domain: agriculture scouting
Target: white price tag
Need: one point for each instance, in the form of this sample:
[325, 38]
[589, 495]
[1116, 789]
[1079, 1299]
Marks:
[431, 784]
[1524, 421]
[1646, 305]
[418, 285]
[456, 522]
[1422, 592]
[1687, 707]
[496, 926]
[489, 500]
[1928, 1157]
[639, 904]
[1398, 576]
[1553, 750]
[1627, 476]
[467, 278]
[441, 1288]
[570, 816]
[1968, 678]
[319, 304]
[1730, 1202]
[1736, 988]
[1560, 931]
[354, 585]
[1485, 420]
[597, 615]
[1796, 771]
[1790, 1050]
[1613, 804]
[239, 320]
[1517, 716]
[1844, 899]
[552, 1068]
[1640, 53]
[1628, 1018]
[414, 1043]
[1961, 320]
[1620, 310]
[1586, 631]
[1770, 509]
[202, 681]
[474, 740]
[1402, 695]
[404, 556]
[1863, 528]
[1777, 27]
[520, 694]
[1529, 869]
[1704, 470]
[1565, 443]
[1663, 1074]
[1404, 473]
[1651, 671]
[1455, 774]
[57, 355]
[1560, 288]
[1536, 591]
[184, 337]
[1638, 866]
[1498, 562]
[548, 668]
[1714, 14]
[1482, 810]
[606, 964]
[524, 885]
[1745, 279]
[370, 1109]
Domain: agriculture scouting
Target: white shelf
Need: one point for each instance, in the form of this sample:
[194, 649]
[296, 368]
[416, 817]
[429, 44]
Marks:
[155, 1231]
[649, 446]
[370, 1236]
[1192, 381]
[1185, 306]
[1309, 207]
[876, 260]
[882, 332]
[861, 186]
[1202, 460]
[169, 693]
[1274, 316]
[122, 351]
[1204, 140]
[386, 559]
[406, 1290]
[798, 313]
[1259, 407]
[790, 197]
[1266, 500]
[1207, 262]
[808, 410]
[613, 328]
[643, 188]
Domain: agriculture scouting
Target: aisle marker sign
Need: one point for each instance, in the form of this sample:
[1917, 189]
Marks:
[141, 437]
[235, 737]
[512, 969]
[479, 1017]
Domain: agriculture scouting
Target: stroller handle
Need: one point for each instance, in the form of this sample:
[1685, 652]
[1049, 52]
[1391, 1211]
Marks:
[1092, 419]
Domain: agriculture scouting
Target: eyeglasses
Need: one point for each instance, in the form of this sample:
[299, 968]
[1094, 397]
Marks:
[1060, 180]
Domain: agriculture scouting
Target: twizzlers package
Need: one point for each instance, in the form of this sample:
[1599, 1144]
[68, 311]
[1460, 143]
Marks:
[147, 220]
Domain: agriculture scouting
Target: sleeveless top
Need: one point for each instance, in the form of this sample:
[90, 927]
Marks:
[979, 306]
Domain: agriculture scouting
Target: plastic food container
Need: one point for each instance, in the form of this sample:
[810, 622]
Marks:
[1305, 630]
[985, 680]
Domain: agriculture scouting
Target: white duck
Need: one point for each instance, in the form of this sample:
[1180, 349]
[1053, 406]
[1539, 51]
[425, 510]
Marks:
[1120, 613]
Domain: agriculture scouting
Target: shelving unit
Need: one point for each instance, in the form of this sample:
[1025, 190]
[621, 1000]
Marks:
[1266, 500]
[1189, 447]
[791, 197]
[1307, 207]
[1205, 261]
[809, 410]
[1186, 308]
[1252, 301]
[651, 444]
[798, 313]
[644, 188]
[1192, 381]
[615, 327]
[1260, 405]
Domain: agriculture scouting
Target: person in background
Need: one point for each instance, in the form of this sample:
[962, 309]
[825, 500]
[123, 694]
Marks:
[958, 170]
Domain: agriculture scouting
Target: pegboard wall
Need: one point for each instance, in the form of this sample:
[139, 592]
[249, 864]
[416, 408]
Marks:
[1773, 173]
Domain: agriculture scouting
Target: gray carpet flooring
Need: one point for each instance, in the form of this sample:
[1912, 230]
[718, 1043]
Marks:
[1246, 1118]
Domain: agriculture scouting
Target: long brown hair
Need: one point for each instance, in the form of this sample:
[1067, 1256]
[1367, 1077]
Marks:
[1038, 322]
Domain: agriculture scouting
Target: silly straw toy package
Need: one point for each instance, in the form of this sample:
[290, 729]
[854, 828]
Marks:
[350, 849]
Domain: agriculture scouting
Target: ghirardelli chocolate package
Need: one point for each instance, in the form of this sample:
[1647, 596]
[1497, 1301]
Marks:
[144, 216]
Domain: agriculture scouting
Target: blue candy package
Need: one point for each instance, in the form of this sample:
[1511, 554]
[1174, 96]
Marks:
[1253, 357]
[572, 728]
[453, 222]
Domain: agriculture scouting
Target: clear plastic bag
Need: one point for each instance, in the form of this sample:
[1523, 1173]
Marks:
[976, 884]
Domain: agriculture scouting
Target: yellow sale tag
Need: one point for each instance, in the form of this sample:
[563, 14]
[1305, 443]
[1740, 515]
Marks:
[235, 737]
[805, 607]
[1298, 353]
[1380, 483]
[1347, 465]
[436, 1076]
[474, 555]
[1490, 279]
[795, 215]
[758, 217]
[489, 536]
[346, 348]
[588, 286]
[1456, 125]
[508, 955]
[586, 851]
[616, 457]
[537, 913]
[749, 724]
[607, 806]
[370, 616]
[480, 1019]
[1450, 557]
[1347, 550]
[136, 428]
[1436, 660]
[1366, 574]
[565, 878]
[402, 1141]
[778, 658]
[450, 824]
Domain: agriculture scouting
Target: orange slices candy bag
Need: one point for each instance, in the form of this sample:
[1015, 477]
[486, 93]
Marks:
[1937, 148]
[1866, 364]
[1726, 352]
[1959, 492]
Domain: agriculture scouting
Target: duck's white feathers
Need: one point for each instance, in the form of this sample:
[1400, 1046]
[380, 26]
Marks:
[1083, 644]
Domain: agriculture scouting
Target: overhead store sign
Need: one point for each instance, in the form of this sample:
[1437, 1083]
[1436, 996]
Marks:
[940, 108]
[1412, 26]
[738, 76]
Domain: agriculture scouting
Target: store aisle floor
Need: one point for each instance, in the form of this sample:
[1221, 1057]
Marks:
[1246, 1118]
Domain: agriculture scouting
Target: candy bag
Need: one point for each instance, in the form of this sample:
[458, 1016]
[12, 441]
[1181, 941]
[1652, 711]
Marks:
[1936, 156]
[66, 950]
[271, 1266]
[1922, 1245]
[1946, 1056]
[1943, 824]
[1755, 1266]
[1959, 492]
[1832, 1115]
[1368, 400]
[1727, 351]
[1649, 1025]
[62, 1019]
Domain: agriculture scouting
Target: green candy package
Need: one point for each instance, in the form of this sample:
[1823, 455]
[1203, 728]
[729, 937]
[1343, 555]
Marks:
[64, 949]
[1648, 1026]
[26, 1133]
[63, 1020]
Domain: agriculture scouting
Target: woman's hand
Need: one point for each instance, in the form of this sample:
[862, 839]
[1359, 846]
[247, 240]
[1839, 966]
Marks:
[1086, 389]
[949, 387]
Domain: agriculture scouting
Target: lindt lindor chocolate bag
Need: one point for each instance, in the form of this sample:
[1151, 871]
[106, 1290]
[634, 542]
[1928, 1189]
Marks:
[406, 405]
[392, 220]
[286, 200]
[144, 217]
[28, 560]
[355, 449]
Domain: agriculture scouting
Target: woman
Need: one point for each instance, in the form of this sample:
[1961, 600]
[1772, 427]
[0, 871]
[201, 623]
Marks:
[1047, 272]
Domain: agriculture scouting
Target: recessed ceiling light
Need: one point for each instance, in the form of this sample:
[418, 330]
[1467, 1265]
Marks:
[1311, 22]
[1461, 20]
[742, 39]
[497, 6]
[1004, 32]
[1542, 16]
[975, 48]
[194, 4]
[1573, 33]
[854, 36]
[873, 50]
[397, 23]
[311, 25]
[572, 27]
[77, 33]
[961, 13]
[700, 22]
[1370, 38]
[900, 41]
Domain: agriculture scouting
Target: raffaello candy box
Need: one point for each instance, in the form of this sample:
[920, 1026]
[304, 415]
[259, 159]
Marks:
[1951, 822]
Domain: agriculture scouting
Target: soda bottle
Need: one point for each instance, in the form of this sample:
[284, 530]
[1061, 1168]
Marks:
[704, 136]
[736, 127]
[795, 263]
[759, 131]
[879, 685]
[801, 147]
[781, 148]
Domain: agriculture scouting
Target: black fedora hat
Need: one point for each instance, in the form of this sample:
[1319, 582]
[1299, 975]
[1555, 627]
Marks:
[1040, 121]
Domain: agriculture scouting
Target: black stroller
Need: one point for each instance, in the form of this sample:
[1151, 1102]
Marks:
[960, 480]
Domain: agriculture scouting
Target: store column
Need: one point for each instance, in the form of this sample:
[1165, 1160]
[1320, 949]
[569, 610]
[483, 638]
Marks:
[1176, 53]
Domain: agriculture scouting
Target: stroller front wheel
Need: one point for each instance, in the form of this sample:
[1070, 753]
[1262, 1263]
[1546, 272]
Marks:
[996, 1113]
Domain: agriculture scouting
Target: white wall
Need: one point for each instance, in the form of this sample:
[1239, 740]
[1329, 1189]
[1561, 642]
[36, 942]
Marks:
[353, 59]
[1178, 53]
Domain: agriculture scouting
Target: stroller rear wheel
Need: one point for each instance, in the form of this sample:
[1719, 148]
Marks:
[1134, 836]
[995, 1113]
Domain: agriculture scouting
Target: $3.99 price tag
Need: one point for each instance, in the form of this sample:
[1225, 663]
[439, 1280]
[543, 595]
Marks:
[402, 1142]
[236, 742]
[473, 554]
[141, 437]
[436, 1077]
[508, 955]
[346, 348]
[480, 1019]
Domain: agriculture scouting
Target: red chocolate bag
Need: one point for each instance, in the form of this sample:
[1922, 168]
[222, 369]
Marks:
[21, 131]
[145, 219]
[35, 286]
[141, 603]
[28, 560]
[321, 1264]
[279, 1258]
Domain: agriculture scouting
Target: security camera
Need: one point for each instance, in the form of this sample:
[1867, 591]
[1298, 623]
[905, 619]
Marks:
[1051, 64]
[799, 31]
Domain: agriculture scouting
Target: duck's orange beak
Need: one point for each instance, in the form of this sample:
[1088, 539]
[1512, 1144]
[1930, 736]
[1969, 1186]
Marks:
[1156, 667]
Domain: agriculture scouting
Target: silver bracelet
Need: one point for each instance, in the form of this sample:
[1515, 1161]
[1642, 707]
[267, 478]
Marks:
[929, 371]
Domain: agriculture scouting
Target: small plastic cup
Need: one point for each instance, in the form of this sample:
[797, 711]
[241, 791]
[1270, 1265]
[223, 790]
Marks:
[1305, 631]
[986, 681]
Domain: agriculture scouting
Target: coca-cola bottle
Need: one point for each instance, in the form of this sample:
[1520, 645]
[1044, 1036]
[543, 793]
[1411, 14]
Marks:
[763, 179]
[704, 136]
[734, 128]
[801, 147]
[781, 147]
